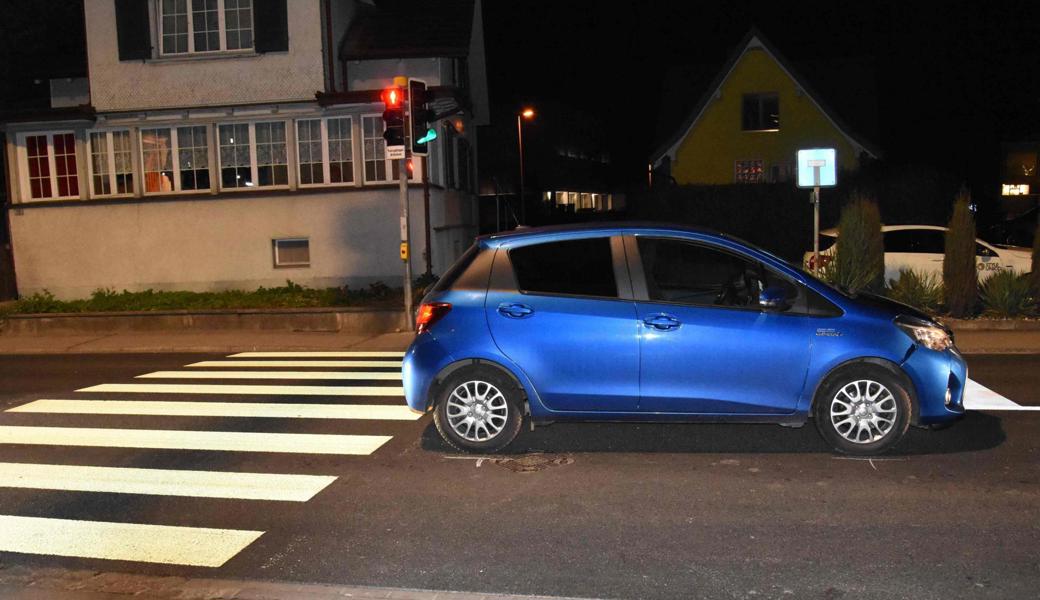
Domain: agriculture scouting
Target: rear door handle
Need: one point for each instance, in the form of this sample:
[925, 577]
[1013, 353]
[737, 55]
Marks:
[515, 311]
[662, 322]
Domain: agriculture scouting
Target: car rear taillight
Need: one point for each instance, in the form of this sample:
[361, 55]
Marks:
[429, 314]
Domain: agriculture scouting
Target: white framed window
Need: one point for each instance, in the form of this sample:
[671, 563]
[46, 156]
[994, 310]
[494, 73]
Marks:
[325, 151]
[111, 163]
[377, 167]
[50, 165]
[292, 252]
[253, 155]
[201, 26]
[175, 159]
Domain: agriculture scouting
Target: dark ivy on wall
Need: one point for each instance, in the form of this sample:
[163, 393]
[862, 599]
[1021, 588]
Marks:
[134, 29]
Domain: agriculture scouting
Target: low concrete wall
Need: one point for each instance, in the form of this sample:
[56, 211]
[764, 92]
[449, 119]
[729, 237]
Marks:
[343, 320]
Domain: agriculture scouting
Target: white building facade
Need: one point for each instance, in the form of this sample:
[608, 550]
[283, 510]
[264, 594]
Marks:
[236, 144]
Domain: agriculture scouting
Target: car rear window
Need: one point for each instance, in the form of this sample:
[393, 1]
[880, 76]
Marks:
[573, 267]
[455, 270]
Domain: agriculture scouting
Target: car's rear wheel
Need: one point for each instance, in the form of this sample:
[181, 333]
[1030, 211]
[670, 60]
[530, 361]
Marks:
[862, 409]
[479, 409]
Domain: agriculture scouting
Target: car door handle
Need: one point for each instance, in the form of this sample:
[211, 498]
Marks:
[515, 311]
[662, 322]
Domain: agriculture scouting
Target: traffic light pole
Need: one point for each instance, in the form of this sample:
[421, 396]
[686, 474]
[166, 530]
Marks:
[406, 254]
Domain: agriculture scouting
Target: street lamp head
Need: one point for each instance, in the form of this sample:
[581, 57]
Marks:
[527, 113]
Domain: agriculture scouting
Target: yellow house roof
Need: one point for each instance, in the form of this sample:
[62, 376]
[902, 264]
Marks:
[754, 41]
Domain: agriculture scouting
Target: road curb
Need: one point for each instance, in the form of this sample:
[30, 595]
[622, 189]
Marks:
[350, 320]
[93, 584]
[992, 324]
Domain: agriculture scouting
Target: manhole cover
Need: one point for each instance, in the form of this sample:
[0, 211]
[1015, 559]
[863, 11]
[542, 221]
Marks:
[529, 463]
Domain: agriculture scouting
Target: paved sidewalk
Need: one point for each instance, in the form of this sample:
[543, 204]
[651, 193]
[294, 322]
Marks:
[199, 341]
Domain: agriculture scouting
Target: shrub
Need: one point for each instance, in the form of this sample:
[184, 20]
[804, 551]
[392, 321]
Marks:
[1006, 295]
[960, 279]
[920, 290]
[1035, 275]
[859, 262]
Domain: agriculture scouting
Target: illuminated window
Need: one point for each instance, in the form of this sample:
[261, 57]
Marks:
[1020, 164]
[111, 163]
[175, 159]
[1011, 189]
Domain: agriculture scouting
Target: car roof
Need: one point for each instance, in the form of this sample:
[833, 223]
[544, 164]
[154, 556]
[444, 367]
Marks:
[606, 228]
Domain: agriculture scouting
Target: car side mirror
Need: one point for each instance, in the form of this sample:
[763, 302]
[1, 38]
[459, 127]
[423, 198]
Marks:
[773, 298]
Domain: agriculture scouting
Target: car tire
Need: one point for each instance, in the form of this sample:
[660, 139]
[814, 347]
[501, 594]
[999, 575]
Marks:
[862, 409]
[478, 409]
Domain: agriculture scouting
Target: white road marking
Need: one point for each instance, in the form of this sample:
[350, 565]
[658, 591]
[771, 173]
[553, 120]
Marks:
[391, 412]
[196, 546]
[262, 390]
[340, 375]
[389, 364]
[164, 482]
[350, 354]
[230, 441]
[980, 397]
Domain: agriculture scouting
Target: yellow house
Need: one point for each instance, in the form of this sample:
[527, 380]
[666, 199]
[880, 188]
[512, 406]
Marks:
[751, 122]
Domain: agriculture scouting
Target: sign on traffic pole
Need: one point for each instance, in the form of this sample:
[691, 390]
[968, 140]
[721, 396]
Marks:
[817, 167]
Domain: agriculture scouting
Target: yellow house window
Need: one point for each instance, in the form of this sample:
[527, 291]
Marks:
[761, 112]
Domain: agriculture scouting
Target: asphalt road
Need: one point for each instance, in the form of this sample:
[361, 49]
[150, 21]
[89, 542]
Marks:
[597, 510]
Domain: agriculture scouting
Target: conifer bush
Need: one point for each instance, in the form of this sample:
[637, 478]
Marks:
[960, 278]
[859, 262]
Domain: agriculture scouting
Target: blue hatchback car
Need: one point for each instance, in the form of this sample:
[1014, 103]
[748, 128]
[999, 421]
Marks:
[642, 322]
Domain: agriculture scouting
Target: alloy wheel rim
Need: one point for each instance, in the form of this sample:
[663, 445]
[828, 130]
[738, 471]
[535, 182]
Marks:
[863, 411]
[477, 411]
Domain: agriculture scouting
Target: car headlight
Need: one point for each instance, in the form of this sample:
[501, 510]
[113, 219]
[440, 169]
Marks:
[928, 334]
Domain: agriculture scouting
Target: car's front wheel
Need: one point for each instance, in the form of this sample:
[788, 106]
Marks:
[862, 409]
[479, 409]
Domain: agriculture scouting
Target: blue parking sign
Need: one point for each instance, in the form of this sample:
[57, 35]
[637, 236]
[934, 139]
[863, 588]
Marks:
[817, 167]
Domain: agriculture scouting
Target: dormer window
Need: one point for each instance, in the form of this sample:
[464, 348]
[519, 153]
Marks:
[202, 26]
[761, 112]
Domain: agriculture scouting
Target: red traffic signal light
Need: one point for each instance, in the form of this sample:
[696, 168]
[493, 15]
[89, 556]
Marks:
[393, 116]
[392, 97]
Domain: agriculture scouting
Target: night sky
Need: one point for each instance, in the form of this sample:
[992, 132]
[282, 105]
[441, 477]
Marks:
[952, 80]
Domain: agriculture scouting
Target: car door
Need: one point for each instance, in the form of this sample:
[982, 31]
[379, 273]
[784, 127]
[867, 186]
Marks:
[562, 310]
[919, 250]
[987, 261]
[706, 347]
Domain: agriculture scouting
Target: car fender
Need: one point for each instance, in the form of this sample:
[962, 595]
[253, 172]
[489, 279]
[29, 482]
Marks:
[532, 403]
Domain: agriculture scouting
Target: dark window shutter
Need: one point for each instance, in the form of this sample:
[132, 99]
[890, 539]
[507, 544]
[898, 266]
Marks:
[133, 30]
[270, 25]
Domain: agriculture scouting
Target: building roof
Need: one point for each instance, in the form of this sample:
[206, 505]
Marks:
[848, 82]
[409, 29]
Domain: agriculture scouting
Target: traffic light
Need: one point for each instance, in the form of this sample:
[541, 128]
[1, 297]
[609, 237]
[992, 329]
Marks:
[419, 131]
[393, 116]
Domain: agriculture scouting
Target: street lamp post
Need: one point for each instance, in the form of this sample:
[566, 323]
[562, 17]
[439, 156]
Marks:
[527, 113]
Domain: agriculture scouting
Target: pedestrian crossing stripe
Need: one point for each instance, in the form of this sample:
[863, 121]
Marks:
[263, 390]
[328, 375]
[387, 412]
[347, 354]
[165, 439]
[338, 364]
[164, 482]
[980, 397]
[193, 546]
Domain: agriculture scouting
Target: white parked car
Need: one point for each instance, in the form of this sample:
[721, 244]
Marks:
[921, 248]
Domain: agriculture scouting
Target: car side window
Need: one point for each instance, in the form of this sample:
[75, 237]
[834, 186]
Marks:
[923, 241]
[573, 267]
[689, 273]
[981, 250]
